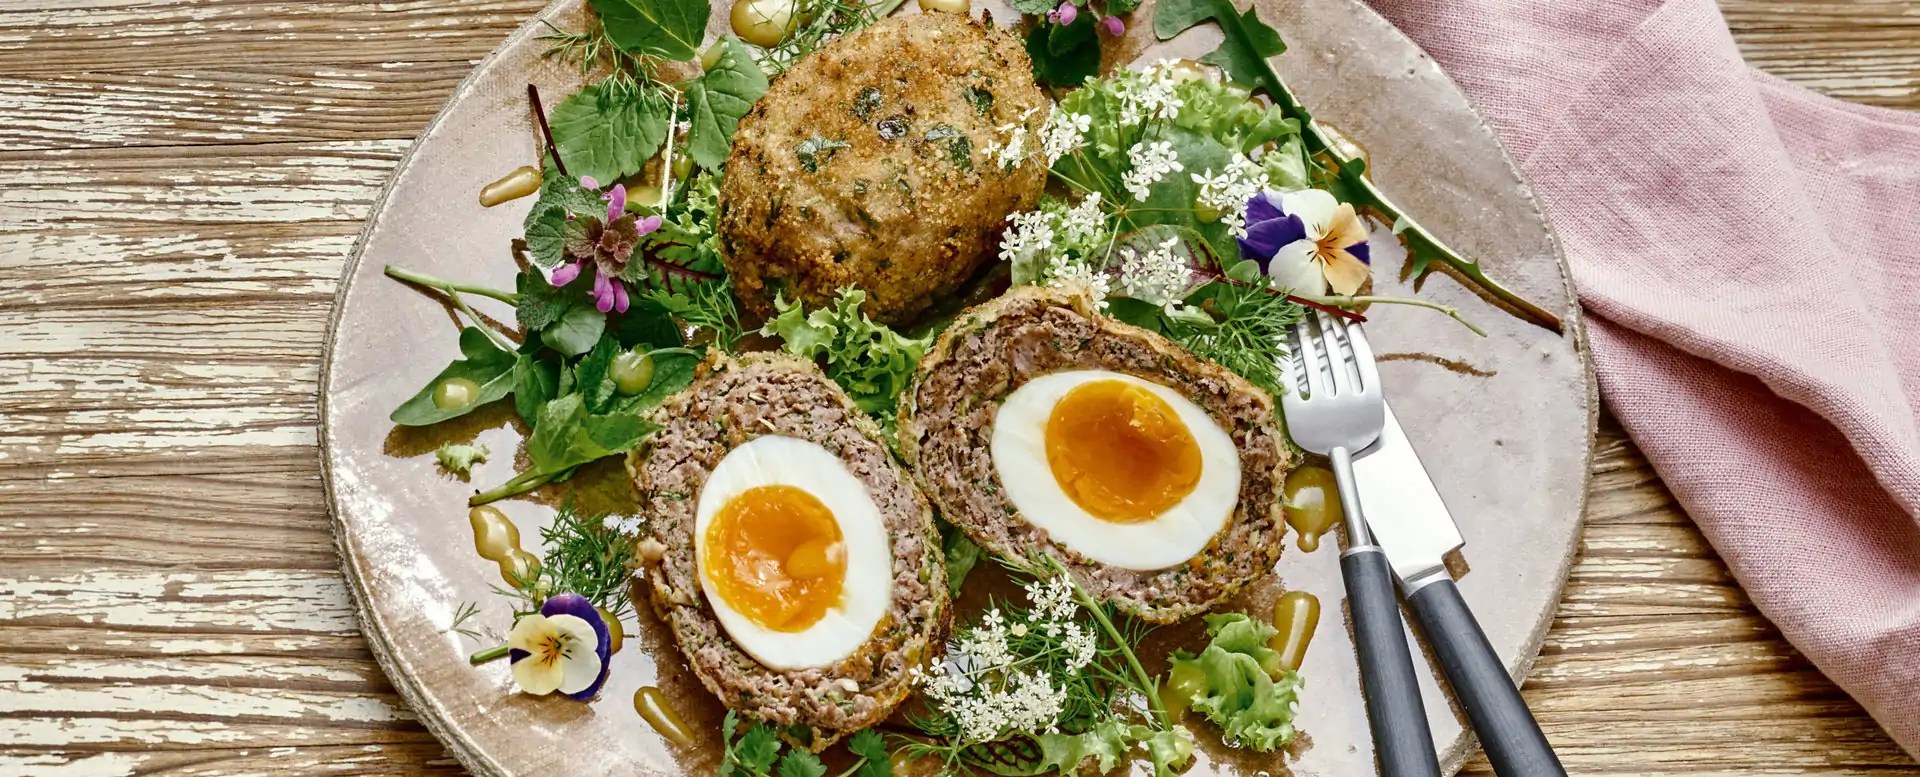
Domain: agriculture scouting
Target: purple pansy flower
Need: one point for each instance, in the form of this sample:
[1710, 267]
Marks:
[1307, 241]
[562, 648]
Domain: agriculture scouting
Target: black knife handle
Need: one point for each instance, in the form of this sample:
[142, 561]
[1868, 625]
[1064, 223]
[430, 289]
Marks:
[1512, 738]
[1401, 738]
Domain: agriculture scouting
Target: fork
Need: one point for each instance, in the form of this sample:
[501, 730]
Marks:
[1334, 407]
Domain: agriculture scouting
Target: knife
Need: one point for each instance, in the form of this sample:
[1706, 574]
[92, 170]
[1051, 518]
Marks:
[1412, 524]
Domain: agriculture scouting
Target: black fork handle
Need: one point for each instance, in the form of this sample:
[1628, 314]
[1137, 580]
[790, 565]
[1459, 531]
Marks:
[1401, 738]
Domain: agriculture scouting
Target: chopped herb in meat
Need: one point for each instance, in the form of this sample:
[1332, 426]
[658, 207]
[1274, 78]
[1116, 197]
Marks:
[815, 151]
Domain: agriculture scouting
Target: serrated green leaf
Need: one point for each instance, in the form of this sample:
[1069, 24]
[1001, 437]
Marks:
[1122, 7]
[596, 386]
[872, 748]
[800, 763]
[718, 98]
[670, 29]
[482, 362]
[537, 303]
[757, 750]
[1034, 7]
[576, 330]
[609, 133]
[459, 458]
[1245, 690]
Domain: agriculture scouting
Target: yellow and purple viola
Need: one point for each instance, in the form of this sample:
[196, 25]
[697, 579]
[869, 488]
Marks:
[1307, 242]
[564, 648]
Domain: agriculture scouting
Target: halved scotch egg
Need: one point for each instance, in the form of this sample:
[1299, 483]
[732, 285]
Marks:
[1037, 423]
[797, 566]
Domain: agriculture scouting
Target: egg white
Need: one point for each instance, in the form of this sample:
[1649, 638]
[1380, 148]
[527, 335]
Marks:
[1019, 449]
[867, 592]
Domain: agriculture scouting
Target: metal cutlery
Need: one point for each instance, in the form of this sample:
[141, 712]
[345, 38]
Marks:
[1334, 407]
[1413, 524]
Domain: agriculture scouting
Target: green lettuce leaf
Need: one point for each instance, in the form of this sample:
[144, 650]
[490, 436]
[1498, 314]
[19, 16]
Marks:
[871, 361]
[1246, 692]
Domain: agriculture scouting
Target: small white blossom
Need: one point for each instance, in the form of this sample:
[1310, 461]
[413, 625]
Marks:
[1013, 151]
[1158, 276]
[1152, 161]
[1064, 133]
[1149, 94]
[1084, 223]
[1063, 271]
[1030, 235]
[1228, 191]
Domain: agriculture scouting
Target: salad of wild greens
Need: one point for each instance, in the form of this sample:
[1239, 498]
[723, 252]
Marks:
[694, 202]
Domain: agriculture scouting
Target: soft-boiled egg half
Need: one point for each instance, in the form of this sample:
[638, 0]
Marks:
[792, 553]
[1122, 470]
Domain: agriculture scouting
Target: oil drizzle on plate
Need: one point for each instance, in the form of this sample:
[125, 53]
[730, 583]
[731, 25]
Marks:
[653, 708]
[496, 539]
[1312, 504]
[1296, 614]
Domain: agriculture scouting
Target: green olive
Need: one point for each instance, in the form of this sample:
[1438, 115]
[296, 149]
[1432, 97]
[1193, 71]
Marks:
[632, 372]
[947, 6]
[519, 568]
[455, 393]
[682, 167]
[763, 23]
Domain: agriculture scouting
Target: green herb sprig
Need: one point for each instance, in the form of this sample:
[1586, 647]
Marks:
[755, 751]
[1242, 55]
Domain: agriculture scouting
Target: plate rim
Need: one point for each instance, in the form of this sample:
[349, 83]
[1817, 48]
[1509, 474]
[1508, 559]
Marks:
[473, 758]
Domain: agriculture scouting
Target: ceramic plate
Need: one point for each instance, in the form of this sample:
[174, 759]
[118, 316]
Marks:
[1505, 422]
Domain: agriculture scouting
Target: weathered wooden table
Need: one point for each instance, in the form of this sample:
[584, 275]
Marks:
[179, 185]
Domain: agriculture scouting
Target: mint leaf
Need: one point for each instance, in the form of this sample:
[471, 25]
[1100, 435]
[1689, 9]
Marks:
[1065, 55]
[718, 98]
[576, 331]
[670, 29]
[483, 363]
[608, 133]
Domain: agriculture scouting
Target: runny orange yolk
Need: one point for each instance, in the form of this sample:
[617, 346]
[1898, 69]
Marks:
[774, 554]
[1120, 452]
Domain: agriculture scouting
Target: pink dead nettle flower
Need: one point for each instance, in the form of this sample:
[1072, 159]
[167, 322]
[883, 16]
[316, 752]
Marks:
[1114, 26]
[1064, 15]
[604, 245]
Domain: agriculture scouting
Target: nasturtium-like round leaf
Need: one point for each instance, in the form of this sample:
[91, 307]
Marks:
[607, 132]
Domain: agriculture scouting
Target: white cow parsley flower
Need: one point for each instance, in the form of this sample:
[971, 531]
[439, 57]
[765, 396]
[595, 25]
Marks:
[1010, 672]
[1152, 161]
[1158, 276]
[1228, 191]
[1063, 271]
[1149, 94]
[1064, 133]
[1084, 224]
[1013, 151]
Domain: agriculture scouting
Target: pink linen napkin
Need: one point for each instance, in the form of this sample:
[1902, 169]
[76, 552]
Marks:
[1748, 254]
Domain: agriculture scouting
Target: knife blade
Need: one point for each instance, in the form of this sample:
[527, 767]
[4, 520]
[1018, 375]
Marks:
[1412, 524]
[1408, 518]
